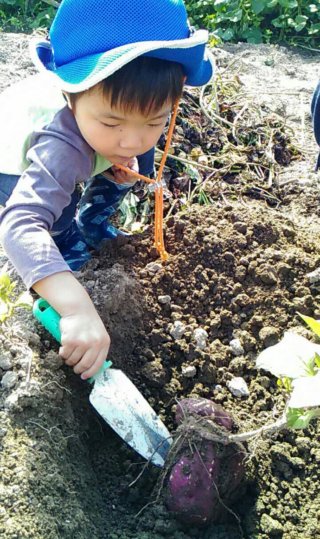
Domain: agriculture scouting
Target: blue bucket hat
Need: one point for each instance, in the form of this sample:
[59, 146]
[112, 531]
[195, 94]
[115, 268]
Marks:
[91, 39]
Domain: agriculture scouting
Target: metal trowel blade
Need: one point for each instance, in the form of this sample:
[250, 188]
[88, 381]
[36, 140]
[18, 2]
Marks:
[123, 407]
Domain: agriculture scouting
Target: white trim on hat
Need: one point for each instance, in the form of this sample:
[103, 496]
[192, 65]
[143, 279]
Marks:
[199, 37]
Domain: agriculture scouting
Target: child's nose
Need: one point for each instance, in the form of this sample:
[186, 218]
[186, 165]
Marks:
[131, 141]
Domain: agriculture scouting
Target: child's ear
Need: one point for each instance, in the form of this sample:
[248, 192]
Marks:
[67, 98]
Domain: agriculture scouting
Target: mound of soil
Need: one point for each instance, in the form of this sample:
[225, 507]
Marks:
[238, 269]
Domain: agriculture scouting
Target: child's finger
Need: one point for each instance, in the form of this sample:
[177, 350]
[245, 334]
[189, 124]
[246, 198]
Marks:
[65, 351]
[96, 366]
[75, 357]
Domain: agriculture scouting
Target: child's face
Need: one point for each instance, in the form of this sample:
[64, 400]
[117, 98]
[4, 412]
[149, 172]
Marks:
[116, 135]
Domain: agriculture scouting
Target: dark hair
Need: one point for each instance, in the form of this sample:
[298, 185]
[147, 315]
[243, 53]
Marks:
[144, 84]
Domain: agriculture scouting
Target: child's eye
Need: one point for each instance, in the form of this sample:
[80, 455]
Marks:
[110, 125]
[155, 125]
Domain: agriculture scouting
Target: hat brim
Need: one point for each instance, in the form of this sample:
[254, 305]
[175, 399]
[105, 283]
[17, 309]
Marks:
[83, 73]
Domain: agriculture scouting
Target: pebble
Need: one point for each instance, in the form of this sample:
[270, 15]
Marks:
[9, 380]
[314, 276]
[189, 372]
[200, 336]
[164, 300]
[236, 347]
[178, 329]
[153, 267]
[238, 387]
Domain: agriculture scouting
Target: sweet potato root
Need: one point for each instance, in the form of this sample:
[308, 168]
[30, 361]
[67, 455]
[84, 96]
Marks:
[205, 473]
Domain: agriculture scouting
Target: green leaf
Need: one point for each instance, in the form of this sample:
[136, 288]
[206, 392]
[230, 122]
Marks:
[278, 22]
[312, 323]
[129, 211]
[314, 29]
[253, 35]
[5, 280]
[258, 6]
[289, 4]
[227, 35]
[317, 360]
[287, 384]
[300, 22]
[298, 418]
[236, 16]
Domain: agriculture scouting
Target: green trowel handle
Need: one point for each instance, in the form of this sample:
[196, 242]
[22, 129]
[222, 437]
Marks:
[50, 319]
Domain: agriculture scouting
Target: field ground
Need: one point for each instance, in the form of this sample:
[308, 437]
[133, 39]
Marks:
[237, 268]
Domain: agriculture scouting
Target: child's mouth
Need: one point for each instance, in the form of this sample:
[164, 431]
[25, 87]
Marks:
[121, 160]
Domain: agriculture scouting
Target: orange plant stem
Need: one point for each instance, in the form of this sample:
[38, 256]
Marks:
[158, 213]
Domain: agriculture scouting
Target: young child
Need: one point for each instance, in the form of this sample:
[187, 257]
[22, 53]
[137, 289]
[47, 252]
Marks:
[111, 73]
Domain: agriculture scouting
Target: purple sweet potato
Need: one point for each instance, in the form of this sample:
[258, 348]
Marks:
[191, 490]
[205, 472]
[204, 408]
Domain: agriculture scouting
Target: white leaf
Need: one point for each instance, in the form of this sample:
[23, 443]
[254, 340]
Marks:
[290, 357]
[306, 392]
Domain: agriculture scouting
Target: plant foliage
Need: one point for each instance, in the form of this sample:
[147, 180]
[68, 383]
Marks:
[9, 301]
[25, 15]
[256, 21]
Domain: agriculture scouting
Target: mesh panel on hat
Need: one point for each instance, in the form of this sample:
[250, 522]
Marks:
[85, 27]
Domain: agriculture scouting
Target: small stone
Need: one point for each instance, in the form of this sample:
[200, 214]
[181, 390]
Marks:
[238, 387]
[236, 347]
[189, 372]
[9, 380]
[200, 336]
[178, 329]
[164, 300]
[153, 267]
[314, 276]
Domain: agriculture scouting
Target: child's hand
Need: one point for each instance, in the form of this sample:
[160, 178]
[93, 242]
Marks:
[85, 342]
[120, 176]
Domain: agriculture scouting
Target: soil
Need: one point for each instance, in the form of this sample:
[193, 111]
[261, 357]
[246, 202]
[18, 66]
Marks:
[238, 268]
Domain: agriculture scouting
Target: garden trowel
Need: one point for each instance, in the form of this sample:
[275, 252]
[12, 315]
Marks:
[118, 401]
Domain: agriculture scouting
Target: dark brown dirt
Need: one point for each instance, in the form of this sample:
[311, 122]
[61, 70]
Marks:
[237, 269]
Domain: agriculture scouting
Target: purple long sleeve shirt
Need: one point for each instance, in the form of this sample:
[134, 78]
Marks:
[59, 158]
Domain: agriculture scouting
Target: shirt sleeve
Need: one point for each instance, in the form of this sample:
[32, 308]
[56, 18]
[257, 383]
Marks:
[59, 158]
